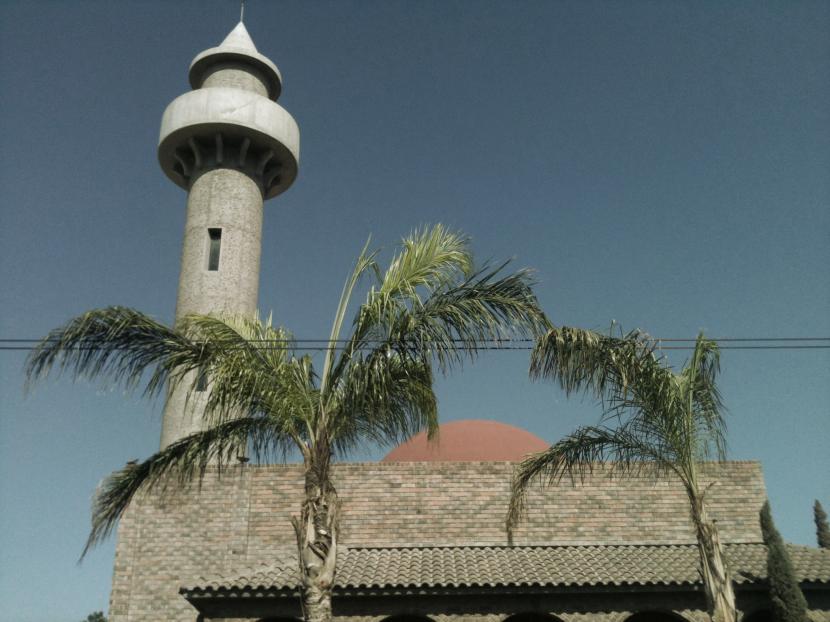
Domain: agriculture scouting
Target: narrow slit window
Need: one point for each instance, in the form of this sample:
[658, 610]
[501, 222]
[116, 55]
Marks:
[214, 248]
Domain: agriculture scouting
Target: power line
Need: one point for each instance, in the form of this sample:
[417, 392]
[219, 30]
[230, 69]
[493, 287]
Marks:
[719, 339]
[760, 343]
[503, 340]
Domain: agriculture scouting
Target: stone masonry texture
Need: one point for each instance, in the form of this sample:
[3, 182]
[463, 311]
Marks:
[231, 201]
[241, 519]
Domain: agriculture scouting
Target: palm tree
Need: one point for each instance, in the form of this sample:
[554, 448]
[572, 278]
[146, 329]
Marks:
[430, 308]
[653, 419]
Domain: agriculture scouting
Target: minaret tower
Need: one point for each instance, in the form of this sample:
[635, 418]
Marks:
[231, 146]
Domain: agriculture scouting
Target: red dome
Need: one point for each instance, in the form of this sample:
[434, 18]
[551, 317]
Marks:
[470, 440]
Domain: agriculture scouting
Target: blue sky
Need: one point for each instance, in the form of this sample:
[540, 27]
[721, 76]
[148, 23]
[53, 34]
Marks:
[661, 164]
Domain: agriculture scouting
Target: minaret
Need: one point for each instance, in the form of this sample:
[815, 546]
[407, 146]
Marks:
[231, 146]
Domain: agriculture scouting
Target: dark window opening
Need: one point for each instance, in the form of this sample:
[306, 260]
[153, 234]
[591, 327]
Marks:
[215, 236]
[531, 617]
[655, 616]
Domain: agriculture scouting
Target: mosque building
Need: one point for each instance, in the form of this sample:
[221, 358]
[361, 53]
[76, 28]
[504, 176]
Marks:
[422, 535]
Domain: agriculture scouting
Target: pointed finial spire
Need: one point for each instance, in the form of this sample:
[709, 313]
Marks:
[238, 38]
[236, 47]
[241, 11]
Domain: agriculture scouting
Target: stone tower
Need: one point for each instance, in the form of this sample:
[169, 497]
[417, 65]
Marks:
[231, 146]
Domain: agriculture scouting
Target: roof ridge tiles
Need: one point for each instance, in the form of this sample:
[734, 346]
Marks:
[558, 545]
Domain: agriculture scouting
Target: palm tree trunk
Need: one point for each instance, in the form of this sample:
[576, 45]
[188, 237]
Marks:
[317, 603]
[717, 581]
[316, 531]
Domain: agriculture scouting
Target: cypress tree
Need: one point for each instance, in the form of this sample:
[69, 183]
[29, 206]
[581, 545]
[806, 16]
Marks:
[822, 528]
[788, 603]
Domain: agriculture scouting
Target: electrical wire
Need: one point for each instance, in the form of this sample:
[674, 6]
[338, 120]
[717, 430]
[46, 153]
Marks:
[324, 345]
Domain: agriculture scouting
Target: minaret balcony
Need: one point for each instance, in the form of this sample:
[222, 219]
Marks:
[229, 128]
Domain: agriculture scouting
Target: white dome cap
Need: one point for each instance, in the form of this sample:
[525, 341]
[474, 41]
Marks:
[237, 46]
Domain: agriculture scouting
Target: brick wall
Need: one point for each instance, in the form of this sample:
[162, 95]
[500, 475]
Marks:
[242, 519]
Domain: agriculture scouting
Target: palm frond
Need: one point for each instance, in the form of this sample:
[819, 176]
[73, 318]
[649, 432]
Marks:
[453, 324]
[668, 420]
[430, 258]
[384, 398]
[581, 359]
[463, 311]
[118, 342]
[577, 454]
[180, 463]
[252, 369]
[430, 306]
[705, 399]
[365, 263]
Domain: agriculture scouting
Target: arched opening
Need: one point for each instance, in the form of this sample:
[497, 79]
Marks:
[655, 616]
[529, 616]
[759, 615]
[407, 618]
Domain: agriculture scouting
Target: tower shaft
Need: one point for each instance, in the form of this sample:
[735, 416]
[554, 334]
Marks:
[222, 244]
[231, 146]
[219, 271]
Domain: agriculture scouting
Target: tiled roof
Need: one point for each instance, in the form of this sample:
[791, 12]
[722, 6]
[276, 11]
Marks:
[519, 566]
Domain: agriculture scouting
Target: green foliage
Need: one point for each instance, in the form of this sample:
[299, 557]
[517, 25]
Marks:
[788, 603]
[431, 308]
[653, 417]
[97, 616]
[822, 528]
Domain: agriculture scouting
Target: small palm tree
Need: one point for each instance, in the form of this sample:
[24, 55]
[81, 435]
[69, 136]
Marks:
[429, 308]
[653, 419]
